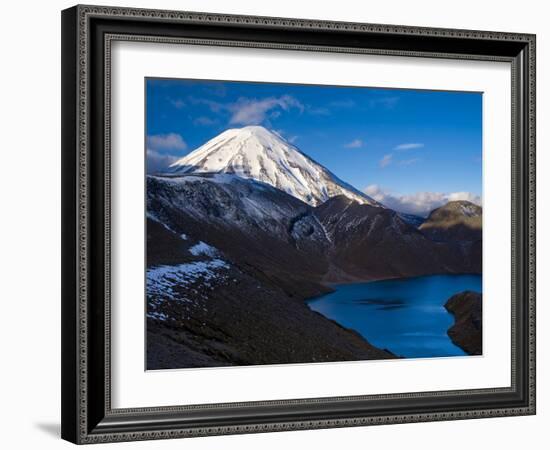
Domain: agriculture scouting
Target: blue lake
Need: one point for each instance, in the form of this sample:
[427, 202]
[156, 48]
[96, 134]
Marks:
[406, 316]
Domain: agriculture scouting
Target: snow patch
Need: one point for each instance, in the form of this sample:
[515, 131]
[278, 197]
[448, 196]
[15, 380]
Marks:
[469, 210]
[154, 218]
[203, 248]
[157, 315]
[162, 281]
[327, 235]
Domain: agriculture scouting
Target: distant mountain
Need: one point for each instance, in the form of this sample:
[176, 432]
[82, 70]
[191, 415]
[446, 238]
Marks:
[456, 221]
[370, 243]
[253, 152]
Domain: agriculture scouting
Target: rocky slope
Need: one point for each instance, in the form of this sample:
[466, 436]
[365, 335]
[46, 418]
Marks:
[294, 245]
[231, 260]
[467, 329]
[271, 233]
[207, 308]
[372, 243]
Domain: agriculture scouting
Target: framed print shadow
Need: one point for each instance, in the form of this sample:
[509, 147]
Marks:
[279, 224]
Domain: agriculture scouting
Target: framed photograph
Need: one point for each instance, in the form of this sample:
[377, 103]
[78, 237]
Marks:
[280, 224]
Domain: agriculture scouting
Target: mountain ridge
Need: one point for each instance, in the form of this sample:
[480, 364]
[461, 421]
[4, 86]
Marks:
[254, 152]
[231, 261]
[262, 224]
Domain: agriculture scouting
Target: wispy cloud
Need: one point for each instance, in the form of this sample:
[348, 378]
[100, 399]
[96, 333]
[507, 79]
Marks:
[214, 106]
[389, 159]
[169, 141]
[177, 103]
[419, 203]
[204, 121]
[292, 139]
[254, 111]
[356, 143]
[250, 111]
[384, 102]
[386, 160]
[408, 162]
[157, 162]
[409, 146]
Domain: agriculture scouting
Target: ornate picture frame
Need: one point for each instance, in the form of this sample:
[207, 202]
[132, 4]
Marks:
[88, 33]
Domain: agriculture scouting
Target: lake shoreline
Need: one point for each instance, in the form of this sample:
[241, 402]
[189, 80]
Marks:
[466, 332]
[331, 285]
[412, 308]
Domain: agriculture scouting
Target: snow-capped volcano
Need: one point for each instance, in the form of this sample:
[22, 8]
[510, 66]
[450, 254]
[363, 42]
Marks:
[256, 153]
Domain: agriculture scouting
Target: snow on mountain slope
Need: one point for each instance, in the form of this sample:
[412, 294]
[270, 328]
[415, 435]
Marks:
[256, 153]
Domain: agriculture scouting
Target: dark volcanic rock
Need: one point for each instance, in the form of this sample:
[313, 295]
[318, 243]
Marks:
[230, 262]
[239, 300]
[234, 319]
[369, 242]
[266, 230]
[466, 332]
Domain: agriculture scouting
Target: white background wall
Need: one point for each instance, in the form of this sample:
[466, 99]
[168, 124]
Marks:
[30, 225]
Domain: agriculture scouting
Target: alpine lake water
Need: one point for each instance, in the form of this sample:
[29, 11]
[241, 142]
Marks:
[406, 316]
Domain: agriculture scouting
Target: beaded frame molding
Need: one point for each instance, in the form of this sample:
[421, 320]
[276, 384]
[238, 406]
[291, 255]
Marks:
[87, 35]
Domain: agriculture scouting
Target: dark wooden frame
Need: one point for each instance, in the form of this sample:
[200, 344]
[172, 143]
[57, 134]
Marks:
[87, 32]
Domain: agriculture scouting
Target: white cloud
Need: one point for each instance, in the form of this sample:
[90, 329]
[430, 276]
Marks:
[169, 141]
[408, 162]
[204, 121]
[356, 143]
[253, 111]
[157, 162]
[386, 160]
[409, 146]
[285, 136]
[465, 196]
[419, 203]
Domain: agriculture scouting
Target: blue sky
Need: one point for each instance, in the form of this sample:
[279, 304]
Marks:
[402, 146]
